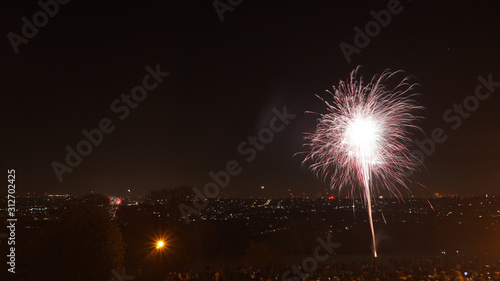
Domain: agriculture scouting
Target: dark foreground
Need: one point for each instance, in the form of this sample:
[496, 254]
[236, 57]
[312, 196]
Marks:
[453, 268]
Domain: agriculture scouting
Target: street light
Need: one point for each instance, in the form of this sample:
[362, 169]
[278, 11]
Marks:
[160, 244]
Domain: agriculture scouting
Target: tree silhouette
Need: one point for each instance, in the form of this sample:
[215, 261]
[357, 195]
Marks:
[264, 255]
[171, 196]
[100, 201]
[167, 200]
[84, 244]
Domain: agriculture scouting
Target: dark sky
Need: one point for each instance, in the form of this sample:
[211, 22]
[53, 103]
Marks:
[225, 79]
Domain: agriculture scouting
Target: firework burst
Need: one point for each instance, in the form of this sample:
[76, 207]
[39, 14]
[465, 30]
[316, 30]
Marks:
[362, 142]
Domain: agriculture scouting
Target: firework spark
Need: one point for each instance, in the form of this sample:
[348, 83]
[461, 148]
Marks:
[362, 142]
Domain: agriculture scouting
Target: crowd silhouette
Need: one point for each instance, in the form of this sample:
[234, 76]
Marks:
[416, 269]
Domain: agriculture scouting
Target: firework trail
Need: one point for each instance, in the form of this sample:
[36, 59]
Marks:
[384, 218]
[362, 142]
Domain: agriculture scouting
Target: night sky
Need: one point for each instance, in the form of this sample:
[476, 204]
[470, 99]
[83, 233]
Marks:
[225, 79]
